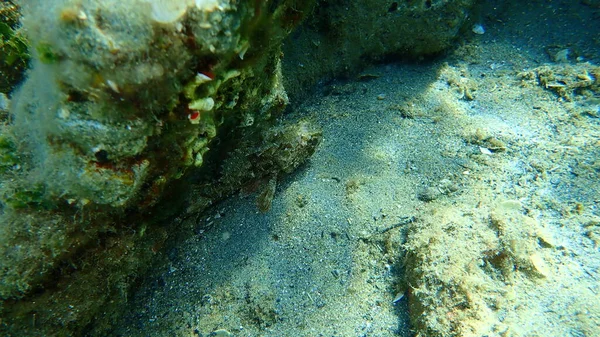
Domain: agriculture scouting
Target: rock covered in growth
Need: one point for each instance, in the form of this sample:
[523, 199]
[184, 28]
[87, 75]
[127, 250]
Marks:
[124, 97]
[342, 37]
[462, 268]
[106, 80]
[579, 81]
[14, 54]
[258, 161]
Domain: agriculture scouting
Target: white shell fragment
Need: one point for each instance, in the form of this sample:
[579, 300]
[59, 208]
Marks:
[113, 86]
[399, 296]
[243, 50]
[539, 265]
[485, 151]
[201, 78]
[478, 29]
[221, 333]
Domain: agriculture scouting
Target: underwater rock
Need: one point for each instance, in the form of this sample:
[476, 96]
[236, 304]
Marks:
[257, 163]
[462, 267]
[570, 82]
[122, 101]
[14, 48]
[341, 38]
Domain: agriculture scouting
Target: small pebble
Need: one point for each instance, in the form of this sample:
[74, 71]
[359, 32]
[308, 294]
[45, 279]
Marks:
[429, 194]
[221, 333]
[478, 29]
[381, 97]
[562, 56]
[485, 151]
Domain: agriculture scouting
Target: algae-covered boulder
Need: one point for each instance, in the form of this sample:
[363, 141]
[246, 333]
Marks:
[123, 99]
[14, 54]
[343, 37]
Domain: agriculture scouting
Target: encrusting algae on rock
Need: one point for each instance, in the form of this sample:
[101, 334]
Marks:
[119, 105]
[14, 48]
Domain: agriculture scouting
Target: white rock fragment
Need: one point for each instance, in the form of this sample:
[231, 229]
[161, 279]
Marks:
[63, 113]
[82, 16]
[478, 29]
[113, 86]
[539, 265]
[485, 151]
